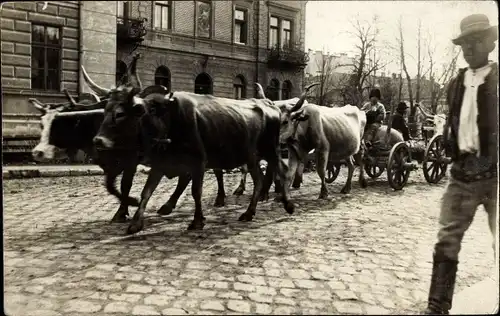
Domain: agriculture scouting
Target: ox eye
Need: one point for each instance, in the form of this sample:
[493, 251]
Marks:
[285, 123]
[119, 114]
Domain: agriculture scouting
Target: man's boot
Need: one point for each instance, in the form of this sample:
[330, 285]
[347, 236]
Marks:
[444, 273]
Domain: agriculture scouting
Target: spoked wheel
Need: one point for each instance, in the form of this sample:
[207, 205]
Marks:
[435, 162]
[397, 172]
[373, 171]
[332, 171]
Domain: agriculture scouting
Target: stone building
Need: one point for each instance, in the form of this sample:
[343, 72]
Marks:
[216, 47]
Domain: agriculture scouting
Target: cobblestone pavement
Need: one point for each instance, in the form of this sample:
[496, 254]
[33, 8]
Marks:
[366, 252]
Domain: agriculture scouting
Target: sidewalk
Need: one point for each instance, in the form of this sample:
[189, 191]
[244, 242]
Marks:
[34, 171]
[479, 299]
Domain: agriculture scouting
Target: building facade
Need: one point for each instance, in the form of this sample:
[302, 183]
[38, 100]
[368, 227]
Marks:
[216, 47]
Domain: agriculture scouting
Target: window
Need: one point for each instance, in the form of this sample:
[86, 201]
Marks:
[162, 15]
[280, 32]
[240, 26]
[273, 32]
[286, 91]
[239, 87]
[121, 73]
[273, 90]
[203, 84]
[162, 77]
[286, 31]
[45, 57]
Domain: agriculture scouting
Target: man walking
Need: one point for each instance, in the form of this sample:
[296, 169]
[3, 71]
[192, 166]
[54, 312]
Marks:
[471, 138]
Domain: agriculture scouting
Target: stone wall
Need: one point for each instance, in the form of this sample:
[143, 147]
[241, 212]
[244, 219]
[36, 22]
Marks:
[16, 53]
[183, 53]
[98, 29]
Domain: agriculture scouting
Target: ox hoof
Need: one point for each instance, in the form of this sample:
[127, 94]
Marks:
[246, 217]
[135, 227]
[289, 207]
[132, 201]
[363, 183]
[345, 190]
[296, 186]
[166, 209]
[119, 218]
[220, 201]
[264, 196]
[238, 191]
[197, 224]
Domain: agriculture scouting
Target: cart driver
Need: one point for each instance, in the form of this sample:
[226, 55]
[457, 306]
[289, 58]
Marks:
[399, 122]
[374, 107]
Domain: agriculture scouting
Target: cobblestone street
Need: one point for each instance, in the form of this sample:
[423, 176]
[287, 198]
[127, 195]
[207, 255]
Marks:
[367, 252]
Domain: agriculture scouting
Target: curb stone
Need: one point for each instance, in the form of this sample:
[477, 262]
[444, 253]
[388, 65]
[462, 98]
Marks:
[41, 172]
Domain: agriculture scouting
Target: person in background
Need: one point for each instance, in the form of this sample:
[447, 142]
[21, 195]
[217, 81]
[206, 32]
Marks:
[470, 138]
[374, 106]
[399, 122]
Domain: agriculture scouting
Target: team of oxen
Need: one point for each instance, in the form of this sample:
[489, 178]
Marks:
[182, 134]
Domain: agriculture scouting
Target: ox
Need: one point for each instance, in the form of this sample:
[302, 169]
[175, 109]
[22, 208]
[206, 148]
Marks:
[334, 133]
[185, 133]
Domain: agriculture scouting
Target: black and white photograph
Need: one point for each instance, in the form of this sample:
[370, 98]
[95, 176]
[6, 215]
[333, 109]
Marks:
[250, 157]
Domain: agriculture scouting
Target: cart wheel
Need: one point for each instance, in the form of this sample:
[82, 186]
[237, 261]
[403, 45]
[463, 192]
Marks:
[332, 171]
[397, 174]
[434, 164]
[374, 171]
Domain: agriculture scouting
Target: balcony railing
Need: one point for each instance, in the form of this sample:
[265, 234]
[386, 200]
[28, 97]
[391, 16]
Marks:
[288, 57]
[131, 30]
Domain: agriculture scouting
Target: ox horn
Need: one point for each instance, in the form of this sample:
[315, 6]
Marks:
[38, 105]
[70, 98]
[80, 113]
[260, 91]
[299, 103]
[92, 84]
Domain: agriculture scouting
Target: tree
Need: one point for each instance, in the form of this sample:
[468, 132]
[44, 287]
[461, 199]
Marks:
[403, 63]
[366, 34]
[326, 66]
[440, 78]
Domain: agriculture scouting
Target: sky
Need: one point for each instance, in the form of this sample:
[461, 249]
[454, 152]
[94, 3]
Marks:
[329, 23]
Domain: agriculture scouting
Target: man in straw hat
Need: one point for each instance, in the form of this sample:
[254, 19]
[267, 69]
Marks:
[471, 138]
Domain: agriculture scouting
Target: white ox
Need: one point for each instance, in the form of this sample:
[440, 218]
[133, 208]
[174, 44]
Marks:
[334, 133]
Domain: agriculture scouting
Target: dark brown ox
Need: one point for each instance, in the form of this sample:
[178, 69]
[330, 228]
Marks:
[185, 133]
[131, 155]
[334, 133]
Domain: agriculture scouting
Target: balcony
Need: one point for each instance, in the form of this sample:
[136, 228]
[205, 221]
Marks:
[130, 30]
[287, 58]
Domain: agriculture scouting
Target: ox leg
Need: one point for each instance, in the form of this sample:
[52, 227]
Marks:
[220, 200]
[267, 182]
[152, 182]
[350, 165]
[282, 171]
[241, 188]
[321, 162]
[126, 185]
[297, 181]
[168, 207]
[109, 182]
[256, 174]
[196, 190]
[358, 157]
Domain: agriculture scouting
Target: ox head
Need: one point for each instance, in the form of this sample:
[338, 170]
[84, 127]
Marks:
[292, 115]
[59, 130]
[121, 126]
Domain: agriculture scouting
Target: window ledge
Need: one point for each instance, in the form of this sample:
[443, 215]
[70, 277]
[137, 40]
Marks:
[239, 43]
